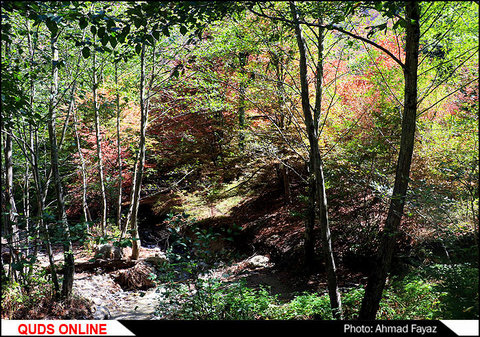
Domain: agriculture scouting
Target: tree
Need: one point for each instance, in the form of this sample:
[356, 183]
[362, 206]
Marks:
[103, 220]
[377, 279]
[119, 151]
[317, 206]
[315, 162]
[69, 269]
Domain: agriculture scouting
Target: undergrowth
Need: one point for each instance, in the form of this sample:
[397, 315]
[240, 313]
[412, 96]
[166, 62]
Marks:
[38, 301]
[419, 296]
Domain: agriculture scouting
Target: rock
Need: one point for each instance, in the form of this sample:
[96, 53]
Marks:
[258, 261]
[108, 252]
[157, 260]
[101, 312]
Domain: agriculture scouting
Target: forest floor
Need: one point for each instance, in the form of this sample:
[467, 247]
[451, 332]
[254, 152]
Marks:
[267, 251]
[107, 299]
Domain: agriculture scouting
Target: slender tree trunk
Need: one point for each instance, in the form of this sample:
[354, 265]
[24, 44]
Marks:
[242, 57]
[86, 211]
[119, 153]
[10, 220]
[309, 240]
[320, 188]
[378, 277]
[311, 123]
[135, 200]
[26, 205]
[69, 269]
[103, 223]
[13, 237]
[34, 231]
[42, 224]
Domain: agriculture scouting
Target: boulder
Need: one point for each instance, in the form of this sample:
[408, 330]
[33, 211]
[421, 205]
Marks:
[159, 259]
[109, 252]
[100, 312]
[258, 261]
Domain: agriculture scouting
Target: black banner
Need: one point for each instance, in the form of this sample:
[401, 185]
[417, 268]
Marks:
[271, 328]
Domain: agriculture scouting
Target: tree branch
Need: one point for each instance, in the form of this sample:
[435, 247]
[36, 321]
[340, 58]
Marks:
[334, 27]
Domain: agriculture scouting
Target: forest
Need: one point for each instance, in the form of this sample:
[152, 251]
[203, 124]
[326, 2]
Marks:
[240, 160]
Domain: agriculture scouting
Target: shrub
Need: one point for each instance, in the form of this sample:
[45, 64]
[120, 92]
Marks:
[306, 306]
[214, 300]
[410, 298]
[16, 296]
[458, 286]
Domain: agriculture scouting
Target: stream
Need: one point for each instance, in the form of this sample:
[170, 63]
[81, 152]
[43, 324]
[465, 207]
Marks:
[112, 301]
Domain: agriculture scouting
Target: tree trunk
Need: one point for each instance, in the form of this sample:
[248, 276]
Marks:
[42, 224]
[119, 153]
[67, 285]
[378, 277]
[309, 239]
[311, 123]
[103, 223]
[284, 182]
[13, 237]
[135, 200]
[242, 57]
[86, 212]
[35, 230]
[26, 208]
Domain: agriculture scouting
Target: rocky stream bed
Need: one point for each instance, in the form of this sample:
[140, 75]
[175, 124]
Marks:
[110, 301]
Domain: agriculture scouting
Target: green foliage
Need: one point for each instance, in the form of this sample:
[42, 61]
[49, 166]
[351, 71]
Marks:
[206, 54]
[214, 300]
[410, 298]
[458, 286]
[78, 233]
[306, 306]
[16, 296]
[13, 97]
[196, 246]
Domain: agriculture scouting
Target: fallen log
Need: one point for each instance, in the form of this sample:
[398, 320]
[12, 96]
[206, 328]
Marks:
[104, 265]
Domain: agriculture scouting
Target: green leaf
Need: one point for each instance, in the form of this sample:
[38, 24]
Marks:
[83, 22]
[105, 40]
[165, 31]
[113, 41]
[183, 30]
[17, 266]
[86, 52]
[101, 31]
[138, 48]
[93, 29]
[52, 27]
